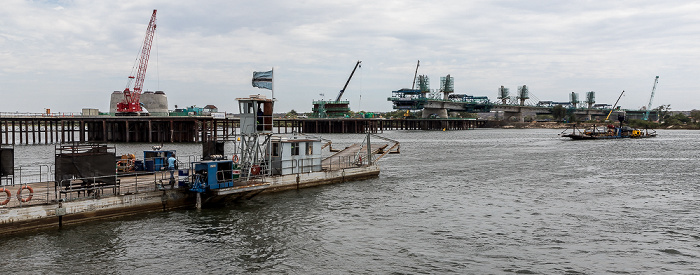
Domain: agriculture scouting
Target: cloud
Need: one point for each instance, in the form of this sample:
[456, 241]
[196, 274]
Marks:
[70, 55]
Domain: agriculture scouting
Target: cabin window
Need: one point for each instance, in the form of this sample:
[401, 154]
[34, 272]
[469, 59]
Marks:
[295, 148]
[246, 108]
[309, 148]
[275, 149]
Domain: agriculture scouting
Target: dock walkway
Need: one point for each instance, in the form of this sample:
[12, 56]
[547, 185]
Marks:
[356, 154]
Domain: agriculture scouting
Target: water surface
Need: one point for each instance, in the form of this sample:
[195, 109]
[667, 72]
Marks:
[485, 201]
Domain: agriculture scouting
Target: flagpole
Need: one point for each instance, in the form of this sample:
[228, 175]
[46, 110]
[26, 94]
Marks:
[273, 83]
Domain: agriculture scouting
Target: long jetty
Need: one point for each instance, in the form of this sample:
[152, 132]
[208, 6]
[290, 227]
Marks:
[46, 129]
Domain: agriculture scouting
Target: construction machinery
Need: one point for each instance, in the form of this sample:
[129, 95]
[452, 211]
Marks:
[131, 105]
[337, 108]
[415, 75]
[613, 108]
[651, 99]
[348, 82]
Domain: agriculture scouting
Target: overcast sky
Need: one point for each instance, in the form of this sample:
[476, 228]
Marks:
[69, 55]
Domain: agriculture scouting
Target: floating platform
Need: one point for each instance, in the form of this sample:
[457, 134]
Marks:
[51, 207]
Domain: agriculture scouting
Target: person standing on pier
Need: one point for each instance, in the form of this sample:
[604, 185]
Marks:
[171, 166]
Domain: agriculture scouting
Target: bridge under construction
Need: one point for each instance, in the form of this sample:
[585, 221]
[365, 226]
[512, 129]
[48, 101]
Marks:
[438, 103]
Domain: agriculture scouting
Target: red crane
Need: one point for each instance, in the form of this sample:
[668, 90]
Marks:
[131, 104]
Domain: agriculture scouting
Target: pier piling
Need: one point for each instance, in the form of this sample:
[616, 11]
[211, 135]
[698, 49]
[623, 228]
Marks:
[155, 129]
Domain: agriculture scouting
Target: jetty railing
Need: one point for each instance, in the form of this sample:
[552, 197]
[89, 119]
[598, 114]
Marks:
[342, 162]
[297, 166]
[37, 186]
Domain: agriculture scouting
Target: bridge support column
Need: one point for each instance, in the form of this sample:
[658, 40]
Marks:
[507, 116]
[439, 112]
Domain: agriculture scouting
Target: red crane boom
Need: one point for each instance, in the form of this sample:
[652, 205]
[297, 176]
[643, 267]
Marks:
[131, 102]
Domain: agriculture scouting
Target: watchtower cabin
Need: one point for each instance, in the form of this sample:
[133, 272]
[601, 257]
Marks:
[256, 115]
[256, 130]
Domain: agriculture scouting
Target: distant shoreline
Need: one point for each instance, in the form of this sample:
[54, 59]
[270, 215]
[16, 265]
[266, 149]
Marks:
[562, 125]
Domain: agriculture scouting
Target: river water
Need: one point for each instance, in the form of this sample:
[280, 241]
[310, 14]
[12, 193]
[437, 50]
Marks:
[484, 201]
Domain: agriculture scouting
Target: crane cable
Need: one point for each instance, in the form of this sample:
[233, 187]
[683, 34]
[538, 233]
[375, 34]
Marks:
[157, 68]
[359, 108]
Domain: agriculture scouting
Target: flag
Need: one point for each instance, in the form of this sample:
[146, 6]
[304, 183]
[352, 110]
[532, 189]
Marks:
[262, 80]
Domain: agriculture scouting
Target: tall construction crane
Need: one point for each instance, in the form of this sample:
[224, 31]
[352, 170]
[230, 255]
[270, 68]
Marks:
[131, 104]
[613, 108]
[646, 115]
[347, 82]
[415, 75]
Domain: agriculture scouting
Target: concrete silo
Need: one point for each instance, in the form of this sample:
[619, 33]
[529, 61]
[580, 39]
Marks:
[117, 96]
[156, 103]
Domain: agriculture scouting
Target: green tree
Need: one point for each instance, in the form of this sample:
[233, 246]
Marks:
[664, 111]
[558, 112]
[677, 119]
[642, 124]
[695, 115]
[292, 114]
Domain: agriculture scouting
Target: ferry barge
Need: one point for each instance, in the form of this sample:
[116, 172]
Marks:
[86, 188]
[608, 132]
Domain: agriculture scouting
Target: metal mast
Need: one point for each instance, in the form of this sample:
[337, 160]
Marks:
[646, 115]
[131, 102]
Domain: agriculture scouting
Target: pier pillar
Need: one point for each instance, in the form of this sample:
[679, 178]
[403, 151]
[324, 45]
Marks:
[51, 123]
[104, 130]
[21, 140]
[439, 112]
[13, 132]
[518, 115]
[82, 130]
[33, 122]
[46, 131]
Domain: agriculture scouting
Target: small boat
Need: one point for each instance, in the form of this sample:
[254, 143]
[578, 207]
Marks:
[607, 132]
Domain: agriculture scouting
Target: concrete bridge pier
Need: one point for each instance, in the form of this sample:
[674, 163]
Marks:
[509, 115]
[584, 114]
[439, 112]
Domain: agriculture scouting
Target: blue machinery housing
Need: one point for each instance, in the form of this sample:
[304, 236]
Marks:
[214, 174]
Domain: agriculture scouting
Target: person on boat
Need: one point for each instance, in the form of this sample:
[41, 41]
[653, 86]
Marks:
[171, 167]
[260, 115]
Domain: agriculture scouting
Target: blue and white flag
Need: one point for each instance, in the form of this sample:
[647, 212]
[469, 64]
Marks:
[262, 80]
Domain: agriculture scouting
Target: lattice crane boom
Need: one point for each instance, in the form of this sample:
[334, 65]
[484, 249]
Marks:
[131, 102]
[347, 82]
[651, 99]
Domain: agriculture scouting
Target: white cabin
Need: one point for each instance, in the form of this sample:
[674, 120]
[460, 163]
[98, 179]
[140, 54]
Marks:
[295, 155]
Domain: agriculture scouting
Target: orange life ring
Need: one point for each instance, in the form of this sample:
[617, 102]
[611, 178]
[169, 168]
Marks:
[31, 193]
[235, 158]
[9, 195]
